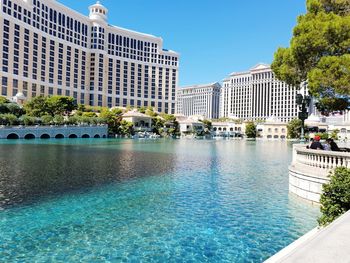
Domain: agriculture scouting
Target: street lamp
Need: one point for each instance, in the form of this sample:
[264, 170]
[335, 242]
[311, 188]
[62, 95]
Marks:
[303, 103]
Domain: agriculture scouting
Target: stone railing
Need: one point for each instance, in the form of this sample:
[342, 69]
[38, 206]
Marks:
[324, 160]
[310, 169]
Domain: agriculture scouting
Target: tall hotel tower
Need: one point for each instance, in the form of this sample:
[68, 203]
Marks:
[199, 100]
[258, 95]
[49, 49]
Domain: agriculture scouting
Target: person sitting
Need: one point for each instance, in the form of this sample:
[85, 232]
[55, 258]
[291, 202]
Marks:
[316, 145]
[333, 145]
[327, 146]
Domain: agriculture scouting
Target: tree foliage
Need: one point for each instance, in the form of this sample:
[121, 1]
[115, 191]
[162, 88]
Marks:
[335, 199]
[11, 108]
[294, 129]
[207, 126]
[250, 130]
[55, 105]
[8, 119]
[319, 51]
[3, 100]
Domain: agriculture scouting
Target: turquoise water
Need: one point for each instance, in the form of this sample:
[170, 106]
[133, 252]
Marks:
[147, 201]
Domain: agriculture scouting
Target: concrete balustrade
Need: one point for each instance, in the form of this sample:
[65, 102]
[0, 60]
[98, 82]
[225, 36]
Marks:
[58, 132]
[310, 169]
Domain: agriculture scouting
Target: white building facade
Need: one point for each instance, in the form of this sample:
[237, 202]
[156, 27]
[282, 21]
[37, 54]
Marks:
[49, 49]
[202, 100]
[257, 95]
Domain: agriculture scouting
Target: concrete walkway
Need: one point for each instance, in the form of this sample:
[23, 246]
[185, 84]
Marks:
[330, 244]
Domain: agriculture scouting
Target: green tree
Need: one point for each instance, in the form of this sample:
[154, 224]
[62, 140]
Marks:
[207, 126]
[58, 120]
[150, 112]
[47, 119]
[59, 105]
[89, 114]
[335, 199]
[250, 130]
[169, 122]
[8, 119]
[142, 110]
[27, 120]
[319, 53]
[36, 106]
[334, 134]
[126, 128]
[294, 129]
[3, 100]
[15, 109]
[158, 125]
[112, 118]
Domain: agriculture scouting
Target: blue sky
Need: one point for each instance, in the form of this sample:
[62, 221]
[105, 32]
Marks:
[214, 38]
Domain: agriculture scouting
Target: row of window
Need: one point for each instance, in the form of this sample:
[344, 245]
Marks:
[60, 25]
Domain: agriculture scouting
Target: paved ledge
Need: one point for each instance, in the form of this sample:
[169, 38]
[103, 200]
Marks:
[329, 244]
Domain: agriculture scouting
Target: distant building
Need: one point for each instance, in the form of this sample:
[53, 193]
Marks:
[273, 128]
[50, 49]
[257, 95]
[202, 100]
[227, 129]
[189, 125]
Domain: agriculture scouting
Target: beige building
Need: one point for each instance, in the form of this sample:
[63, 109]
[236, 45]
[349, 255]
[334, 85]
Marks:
[49, 49]
[141, 122]
[257, 95]
[273, 128]
[202, 100]
[227, 129]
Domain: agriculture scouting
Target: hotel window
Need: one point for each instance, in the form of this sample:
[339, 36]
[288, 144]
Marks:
[14, 87]
[4, 86]
[125, 79]
[139, 76]
[42, 90]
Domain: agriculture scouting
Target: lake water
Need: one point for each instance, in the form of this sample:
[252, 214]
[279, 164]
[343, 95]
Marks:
[150, 201]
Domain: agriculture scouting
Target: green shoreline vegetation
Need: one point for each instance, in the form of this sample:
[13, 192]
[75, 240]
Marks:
[62, 110]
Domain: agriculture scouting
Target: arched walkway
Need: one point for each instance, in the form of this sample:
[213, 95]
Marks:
[29, 136]
[85, 136]
[12, 136]
[59, 136]
[73, 136]
[45, 136]
[97, 136]
[104, 136]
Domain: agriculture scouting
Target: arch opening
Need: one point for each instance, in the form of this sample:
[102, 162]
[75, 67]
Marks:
[29, 136]
[97, 136]
[85, 136]
[73, 136]
[59, 136]
[12, 136]
[45, 136]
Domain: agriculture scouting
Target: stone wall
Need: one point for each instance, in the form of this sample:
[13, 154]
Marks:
[310, 169]
[46, 132]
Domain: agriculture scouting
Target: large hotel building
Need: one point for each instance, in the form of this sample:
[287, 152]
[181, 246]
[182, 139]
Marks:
[49, 49]
[257, 95]
[200, 100]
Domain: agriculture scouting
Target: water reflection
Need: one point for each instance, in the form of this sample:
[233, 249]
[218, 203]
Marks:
[29, 172]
